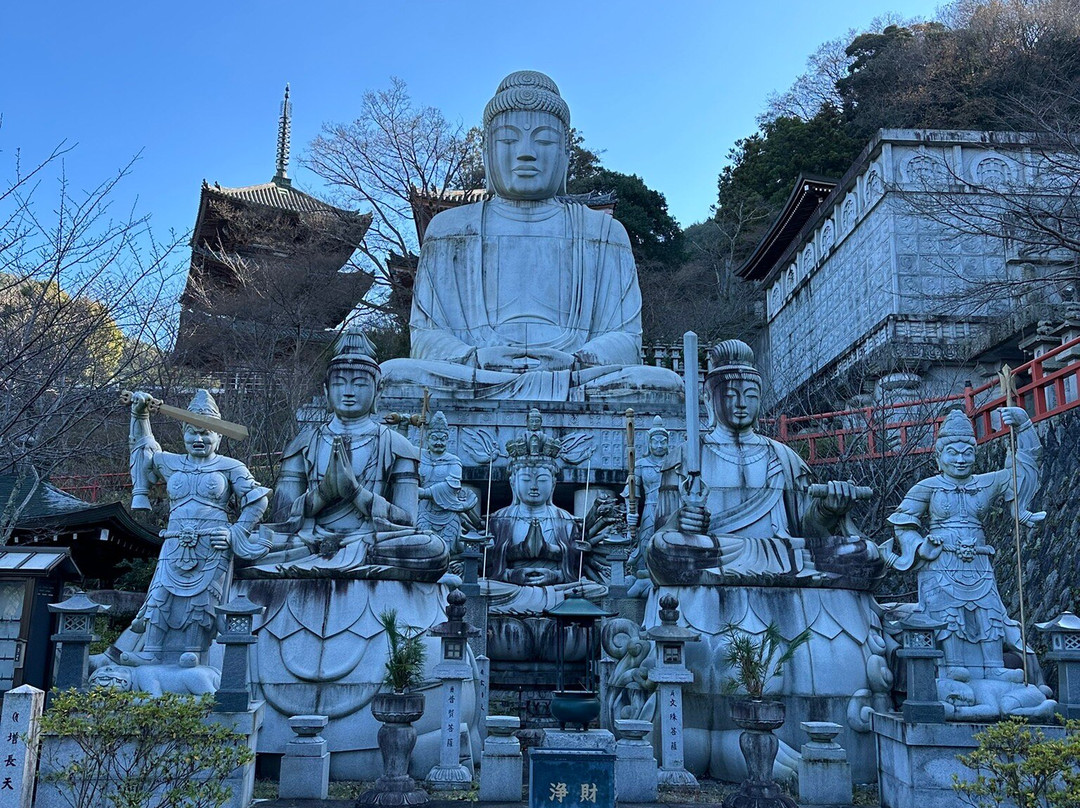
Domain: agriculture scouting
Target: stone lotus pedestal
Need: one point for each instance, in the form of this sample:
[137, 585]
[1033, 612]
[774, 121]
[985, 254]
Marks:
[759, 746]
[397, 711]
[322, 651]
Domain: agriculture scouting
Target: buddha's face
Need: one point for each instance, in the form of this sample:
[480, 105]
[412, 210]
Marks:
[350, 392]
[525, 154]
[201, 442]
[534, 421]
[658, 444]
[957, 459]
[436, 441]
[737, 403]
[533, 485]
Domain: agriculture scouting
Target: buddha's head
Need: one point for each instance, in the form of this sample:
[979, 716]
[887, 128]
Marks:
[955, 446]
[527, 138]
[352, 378]
[733, 386]
[201, 442]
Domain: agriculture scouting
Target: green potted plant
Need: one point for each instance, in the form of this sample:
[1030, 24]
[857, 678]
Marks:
[397, 709]
[754, 661]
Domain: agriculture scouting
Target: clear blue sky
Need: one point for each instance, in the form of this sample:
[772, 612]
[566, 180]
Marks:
[663, 88]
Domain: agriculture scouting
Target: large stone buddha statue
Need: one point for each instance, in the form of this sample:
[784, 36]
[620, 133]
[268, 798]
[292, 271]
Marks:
[525, 296]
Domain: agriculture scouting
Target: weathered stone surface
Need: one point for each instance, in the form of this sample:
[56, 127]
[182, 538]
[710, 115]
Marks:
[18, 729]
[636, 777]
[501, 762]
[305, 768]
[321, 650]
[824, 773]
[523, 296]
[918, 761]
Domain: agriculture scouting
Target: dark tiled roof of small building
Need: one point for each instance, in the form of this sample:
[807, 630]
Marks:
[44, 501]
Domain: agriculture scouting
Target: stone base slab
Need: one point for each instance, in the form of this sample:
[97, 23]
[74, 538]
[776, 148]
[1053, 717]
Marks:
[916, 762]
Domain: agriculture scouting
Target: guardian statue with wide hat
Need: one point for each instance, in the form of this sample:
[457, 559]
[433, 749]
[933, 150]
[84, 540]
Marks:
[525, 295]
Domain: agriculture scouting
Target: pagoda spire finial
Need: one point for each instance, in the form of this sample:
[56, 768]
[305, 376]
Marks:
[281, 176]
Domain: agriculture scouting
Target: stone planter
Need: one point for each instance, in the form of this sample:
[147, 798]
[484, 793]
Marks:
[575, 707]
[758, 719]
[397, 737]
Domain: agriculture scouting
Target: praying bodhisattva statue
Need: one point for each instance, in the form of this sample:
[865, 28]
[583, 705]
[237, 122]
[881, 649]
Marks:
[525, 296]
[346, 498]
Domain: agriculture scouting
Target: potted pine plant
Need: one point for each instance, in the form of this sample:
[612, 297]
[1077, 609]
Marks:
[754, 661]
[397, 708]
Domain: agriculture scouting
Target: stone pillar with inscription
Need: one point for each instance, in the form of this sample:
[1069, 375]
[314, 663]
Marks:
[453, 669]
[670, 674]
[19, 745]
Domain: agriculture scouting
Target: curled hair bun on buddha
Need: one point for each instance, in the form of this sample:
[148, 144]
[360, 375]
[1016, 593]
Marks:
[527, 90]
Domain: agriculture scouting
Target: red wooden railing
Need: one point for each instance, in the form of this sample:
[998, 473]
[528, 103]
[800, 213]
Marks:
[910, 427]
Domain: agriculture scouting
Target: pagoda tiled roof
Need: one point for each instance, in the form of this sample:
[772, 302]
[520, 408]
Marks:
[278, 195]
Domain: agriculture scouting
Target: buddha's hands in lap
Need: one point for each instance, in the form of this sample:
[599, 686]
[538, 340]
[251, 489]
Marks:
[519, 360]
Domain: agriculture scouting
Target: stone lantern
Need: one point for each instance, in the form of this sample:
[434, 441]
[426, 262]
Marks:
[236, 619]
[1064, 635]
[574, 615]
[670, 674]
[75, 632]
[453, 669]
[922, 705]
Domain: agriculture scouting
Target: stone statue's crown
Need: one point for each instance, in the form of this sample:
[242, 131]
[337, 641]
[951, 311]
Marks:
[438, 423]
[733, 359]
[203, 403]
[533, 447]
[658, 427]
[527, 90]
[956, 427]
[353, 349]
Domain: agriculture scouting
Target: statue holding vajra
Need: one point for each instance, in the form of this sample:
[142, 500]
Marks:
[742, 536]
[939, 531]
[526, 296]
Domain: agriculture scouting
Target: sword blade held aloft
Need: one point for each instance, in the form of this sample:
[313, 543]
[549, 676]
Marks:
[219, 425]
